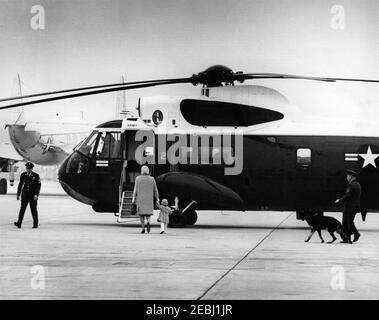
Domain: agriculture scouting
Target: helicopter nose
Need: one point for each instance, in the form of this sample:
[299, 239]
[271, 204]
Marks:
[63, 177]
[62, 172]
[75, 183]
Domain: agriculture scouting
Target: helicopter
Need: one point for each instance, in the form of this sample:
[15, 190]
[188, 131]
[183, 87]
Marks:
[230, 148]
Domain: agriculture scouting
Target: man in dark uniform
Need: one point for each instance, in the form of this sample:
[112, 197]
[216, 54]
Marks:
[351, 200]
[29, 188]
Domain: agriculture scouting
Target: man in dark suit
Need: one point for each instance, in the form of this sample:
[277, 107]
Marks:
[351, 200]
[29, 188]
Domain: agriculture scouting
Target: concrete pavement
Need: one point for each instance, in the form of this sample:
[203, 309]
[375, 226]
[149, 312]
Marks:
[80, 254]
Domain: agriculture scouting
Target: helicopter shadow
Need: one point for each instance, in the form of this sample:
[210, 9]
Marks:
[194, 227]
[136, 224]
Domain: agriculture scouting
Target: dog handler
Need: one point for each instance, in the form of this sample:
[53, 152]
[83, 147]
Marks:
[351, 200]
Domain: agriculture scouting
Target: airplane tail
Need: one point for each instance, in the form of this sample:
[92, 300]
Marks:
[121, 102]
[121, 110]
[20, 120]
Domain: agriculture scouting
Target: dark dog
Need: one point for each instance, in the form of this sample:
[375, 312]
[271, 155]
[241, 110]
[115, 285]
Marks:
[318, 222]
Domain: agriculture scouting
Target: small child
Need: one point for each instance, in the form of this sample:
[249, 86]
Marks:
[164, 213]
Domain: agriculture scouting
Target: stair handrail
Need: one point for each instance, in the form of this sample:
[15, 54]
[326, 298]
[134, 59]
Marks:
[121, 185]
[120, 208]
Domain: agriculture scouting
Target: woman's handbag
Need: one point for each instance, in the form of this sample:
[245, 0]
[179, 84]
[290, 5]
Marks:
[133, 209]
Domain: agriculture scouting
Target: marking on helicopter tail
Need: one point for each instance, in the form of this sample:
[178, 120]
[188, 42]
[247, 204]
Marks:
[368, 157]
[351, 156]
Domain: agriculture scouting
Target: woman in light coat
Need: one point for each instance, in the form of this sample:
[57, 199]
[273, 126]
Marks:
[145, 189]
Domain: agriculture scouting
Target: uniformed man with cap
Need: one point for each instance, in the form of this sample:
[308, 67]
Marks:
[29, 188]
[351, 200]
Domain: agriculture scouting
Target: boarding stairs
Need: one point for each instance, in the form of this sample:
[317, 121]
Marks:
[125, 207]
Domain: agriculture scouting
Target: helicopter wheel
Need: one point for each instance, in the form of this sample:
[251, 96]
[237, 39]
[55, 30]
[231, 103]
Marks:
[191, 217]
[177, 220]
[3, 186]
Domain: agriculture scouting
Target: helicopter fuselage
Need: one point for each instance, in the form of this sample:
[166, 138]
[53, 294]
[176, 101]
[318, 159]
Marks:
[279, 172]
[252, 158]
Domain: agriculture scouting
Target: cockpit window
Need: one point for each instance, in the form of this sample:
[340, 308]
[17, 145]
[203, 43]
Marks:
[99, 145]
[109, 145]
[87, 147]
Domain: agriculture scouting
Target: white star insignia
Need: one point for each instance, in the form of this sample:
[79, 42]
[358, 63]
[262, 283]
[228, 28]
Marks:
[369, 157]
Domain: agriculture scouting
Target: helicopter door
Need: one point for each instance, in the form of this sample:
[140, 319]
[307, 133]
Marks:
[132, 168]
[107, 163]
[308, 186]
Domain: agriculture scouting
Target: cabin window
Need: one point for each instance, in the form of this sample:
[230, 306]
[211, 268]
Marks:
[109, 145]
[149, 152]
[304, 156]
[271, 139]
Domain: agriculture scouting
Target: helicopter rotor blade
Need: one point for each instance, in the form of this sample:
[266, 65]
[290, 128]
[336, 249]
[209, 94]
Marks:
[355, 80]
[88, 88]
[216, 75]
[125, 86]
[252, 76]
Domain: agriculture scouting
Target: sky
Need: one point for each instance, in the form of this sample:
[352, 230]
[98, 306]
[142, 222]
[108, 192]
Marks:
[96, 42]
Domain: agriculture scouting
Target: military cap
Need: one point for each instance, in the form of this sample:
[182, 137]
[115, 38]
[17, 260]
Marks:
[351, 172]
[29, 165]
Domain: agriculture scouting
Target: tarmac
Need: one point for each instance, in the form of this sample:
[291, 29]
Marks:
[79, 254]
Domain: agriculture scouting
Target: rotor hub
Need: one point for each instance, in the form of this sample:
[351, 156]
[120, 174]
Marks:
[215, 76]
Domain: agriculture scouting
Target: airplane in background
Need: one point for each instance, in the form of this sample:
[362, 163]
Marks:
[45, 142]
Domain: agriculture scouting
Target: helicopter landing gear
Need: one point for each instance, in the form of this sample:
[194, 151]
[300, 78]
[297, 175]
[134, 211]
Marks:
[180, 218]
[191, 217]
[190, 213]
[3, 186]
[177, 219]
